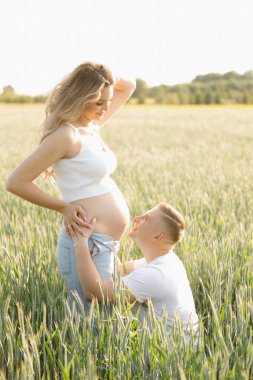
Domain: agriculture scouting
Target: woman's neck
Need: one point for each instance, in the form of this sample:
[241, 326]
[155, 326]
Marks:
[83, 122]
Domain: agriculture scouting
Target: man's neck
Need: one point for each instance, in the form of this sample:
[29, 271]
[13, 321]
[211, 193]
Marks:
[152, 252]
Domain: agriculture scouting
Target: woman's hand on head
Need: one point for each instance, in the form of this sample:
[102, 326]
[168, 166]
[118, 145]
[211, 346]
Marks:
[74, 217]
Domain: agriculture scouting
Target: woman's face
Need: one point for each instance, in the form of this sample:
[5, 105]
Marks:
[97, 110]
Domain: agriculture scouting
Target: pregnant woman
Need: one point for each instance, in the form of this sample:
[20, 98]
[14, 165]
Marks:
[82, 163]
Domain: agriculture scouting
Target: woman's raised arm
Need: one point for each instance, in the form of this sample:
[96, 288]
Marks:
[123, 89]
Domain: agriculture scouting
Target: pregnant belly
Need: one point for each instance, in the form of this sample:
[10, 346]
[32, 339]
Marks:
[111, 213]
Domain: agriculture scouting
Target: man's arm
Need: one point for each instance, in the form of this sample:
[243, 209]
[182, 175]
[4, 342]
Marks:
[127, 267]
[93, 285]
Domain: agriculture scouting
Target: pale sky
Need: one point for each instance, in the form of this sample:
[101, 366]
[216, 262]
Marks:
[160, 41]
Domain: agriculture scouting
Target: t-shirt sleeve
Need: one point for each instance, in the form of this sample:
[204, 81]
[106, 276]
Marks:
[145, 283]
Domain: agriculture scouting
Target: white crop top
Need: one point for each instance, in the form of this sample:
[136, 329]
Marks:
[88, 173]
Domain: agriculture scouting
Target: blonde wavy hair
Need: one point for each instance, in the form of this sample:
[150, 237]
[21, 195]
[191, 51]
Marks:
[76, 91]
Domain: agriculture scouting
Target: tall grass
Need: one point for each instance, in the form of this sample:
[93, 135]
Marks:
[197, 159]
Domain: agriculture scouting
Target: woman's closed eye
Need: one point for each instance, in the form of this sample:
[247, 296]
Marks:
[102, 102]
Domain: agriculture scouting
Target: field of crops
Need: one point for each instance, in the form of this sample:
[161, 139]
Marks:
[199, 159]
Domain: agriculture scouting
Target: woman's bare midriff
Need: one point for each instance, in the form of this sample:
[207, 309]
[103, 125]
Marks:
[111, 213]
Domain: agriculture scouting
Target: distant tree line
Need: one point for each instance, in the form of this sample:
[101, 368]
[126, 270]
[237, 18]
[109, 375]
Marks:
[204, 89]
[9, 96]
[228, 88]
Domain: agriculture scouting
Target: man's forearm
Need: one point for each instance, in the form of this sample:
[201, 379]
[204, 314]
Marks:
[93, 285]
[125, 268]
[129, 266]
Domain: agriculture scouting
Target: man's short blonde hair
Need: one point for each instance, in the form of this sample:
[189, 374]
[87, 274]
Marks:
[174, 222]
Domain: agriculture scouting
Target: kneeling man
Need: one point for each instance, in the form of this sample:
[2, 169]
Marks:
[159, 277]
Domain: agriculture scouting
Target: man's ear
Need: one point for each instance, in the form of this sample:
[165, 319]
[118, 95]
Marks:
[159, 236]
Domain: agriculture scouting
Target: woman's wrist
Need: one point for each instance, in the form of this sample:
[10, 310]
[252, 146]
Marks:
[124, 84]
[61, 206]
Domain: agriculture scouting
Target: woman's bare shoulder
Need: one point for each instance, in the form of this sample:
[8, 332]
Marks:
[64, 134]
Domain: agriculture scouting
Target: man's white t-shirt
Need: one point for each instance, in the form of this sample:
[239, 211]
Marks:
[164, 281]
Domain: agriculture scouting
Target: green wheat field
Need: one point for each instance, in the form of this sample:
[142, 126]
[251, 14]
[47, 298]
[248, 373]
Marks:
[199, 159]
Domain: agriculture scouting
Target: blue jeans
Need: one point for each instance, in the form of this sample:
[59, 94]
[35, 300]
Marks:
[102, 248]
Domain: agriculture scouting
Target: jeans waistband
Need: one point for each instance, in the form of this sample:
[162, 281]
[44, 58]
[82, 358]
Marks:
[97, 238]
